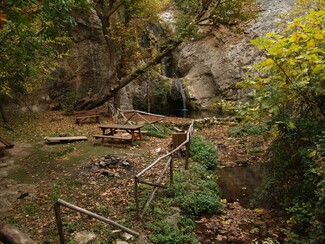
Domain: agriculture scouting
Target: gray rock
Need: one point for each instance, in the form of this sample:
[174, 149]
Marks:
[121, 242]
[85, 237]
[102, 164]
[127, 237]
[107, 173]
[173, 219]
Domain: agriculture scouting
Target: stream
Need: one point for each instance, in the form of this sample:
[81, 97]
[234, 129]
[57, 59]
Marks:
[238, 184]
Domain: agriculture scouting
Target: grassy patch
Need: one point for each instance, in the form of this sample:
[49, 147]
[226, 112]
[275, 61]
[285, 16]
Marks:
[160, 133]
[167, 233]
[195, 191]
[247, 130]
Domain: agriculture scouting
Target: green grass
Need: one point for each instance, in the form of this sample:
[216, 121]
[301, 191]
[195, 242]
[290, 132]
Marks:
[247, 130]
[160, 133]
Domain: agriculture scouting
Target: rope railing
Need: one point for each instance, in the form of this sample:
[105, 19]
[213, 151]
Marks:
[169, 163]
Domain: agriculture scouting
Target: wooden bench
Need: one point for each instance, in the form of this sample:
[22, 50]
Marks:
[4, 144]
[119, 138]
[143, 132]
[60, 139]
[81, 116]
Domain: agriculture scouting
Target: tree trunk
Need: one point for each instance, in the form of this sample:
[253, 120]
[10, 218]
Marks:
[3, 114]
[107, 93]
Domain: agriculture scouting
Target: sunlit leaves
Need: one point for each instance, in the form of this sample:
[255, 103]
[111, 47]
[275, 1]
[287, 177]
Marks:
[289, 82]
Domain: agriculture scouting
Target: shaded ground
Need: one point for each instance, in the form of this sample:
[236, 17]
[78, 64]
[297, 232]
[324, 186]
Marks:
[71, 172]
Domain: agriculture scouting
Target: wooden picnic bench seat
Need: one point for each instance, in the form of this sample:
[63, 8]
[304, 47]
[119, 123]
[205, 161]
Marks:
[143, 132]
[81, 116]
[121, 138]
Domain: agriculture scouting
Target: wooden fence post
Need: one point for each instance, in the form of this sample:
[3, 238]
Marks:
[187, 154]
[171, 170]
[136, 196]
[59, 221]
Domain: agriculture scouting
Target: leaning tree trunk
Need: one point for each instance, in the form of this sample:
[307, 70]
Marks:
[107, 92]
[3, 114]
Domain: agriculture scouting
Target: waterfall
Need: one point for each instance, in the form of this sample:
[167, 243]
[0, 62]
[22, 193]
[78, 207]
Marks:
[180, 88]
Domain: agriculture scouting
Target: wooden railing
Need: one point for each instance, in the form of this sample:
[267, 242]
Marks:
[140, 114]
[57, 211]
[157, 183]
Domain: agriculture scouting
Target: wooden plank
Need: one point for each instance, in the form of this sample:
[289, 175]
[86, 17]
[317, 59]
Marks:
[66, 138]
[112, 137]
[118, 126]
[178, 138]
[135, 132]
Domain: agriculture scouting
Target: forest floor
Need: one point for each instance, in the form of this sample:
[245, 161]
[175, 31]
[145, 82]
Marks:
[33, 175]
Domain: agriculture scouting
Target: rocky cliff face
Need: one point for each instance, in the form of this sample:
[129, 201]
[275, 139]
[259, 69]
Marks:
[84, 67]
[211, 67]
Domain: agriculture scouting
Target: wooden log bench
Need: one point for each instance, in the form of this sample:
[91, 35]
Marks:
[60, 139]
[81, 116]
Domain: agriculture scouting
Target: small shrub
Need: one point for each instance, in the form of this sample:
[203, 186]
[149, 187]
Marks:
[151, 131]
[200, 203]
[166, 233]
[247, 130]
[204, 152]
[195, 191]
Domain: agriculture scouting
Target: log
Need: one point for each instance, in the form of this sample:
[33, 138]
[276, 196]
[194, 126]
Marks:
[10, 234]
[65, 138]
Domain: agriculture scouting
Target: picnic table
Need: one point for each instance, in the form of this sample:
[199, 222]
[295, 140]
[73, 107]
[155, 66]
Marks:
[109, 131]
[81, 116]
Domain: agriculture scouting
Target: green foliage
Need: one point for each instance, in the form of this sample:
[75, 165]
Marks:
[165, 232]
[192, 14]
[204, 152]
[29, 209]
[287, 92]
[297, 180]
[289, 82]
[158, 96]
[151, 131]
[247, 129]
[195, 191]
[27, 34]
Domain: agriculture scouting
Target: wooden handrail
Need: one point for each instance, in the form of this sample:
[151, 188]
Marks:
[57, 211]
[157, 183]
[188, 137]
